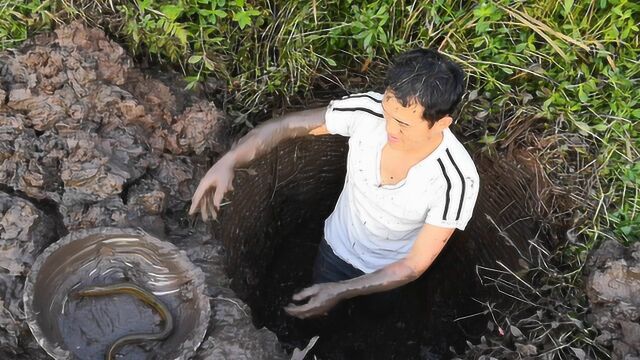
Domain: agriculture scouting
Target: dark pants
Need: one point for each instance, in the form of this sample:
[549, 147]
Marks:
[328, 267]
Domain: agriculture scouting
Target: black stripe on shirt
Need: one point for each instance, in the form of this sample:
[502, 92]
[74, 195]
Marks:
[461, 181]
[364, 95]
[446, 177]
[360, 109]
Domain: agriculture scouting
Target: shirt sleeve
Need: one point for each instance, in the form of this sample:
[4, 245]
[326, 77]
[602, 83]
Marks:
[345, 116]
[452, 206]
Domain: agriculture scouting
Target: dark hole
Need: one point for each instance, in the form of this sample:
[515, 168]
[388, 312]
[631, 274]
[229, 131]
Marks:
[275, 221]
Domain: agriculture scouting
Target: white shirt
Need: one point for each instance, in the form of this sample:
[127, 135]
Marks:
[374, 225]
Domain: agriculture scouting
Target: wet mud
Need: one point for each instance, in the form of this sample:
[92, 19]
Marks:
[25, 230]
[88, 140]
[613, 288]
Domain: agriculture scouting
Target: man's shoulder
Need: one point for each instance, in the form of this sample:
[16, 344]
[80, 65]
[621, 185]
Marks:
[367, 100]
[369, 96]
[457, 155]
[354, 114]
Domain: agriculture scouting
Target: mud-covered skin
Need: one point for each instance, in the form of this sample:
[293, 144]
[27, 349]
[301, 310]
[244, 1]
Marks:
[144, 296]
[259, 141]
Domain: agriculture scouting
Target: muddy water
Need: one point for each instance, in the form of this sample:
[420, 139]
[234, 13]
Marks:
[87, 326]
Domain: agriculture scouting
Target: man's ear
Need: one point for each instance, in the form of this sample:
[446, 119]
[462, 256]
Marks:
[444, 122]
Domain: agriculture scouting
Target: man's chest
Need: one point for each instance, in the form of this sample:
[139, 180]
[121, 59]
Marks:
[386, 186]
[393, 167]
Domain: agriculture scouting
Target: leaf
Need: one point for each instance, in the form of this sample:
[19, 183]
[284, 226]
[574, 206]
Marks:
[367, 40]
[359, 25]
[482, 27]
[600, 127]
[171, 11]
[568, 4]
[515, 331]
[209, 64]
[507, 70]
[194, 59]
[242, 19]
[584, 129]
[181, 34]
[220, 13]
[300, 354]
[582, 95]
[383, 36]
[526, 349]
[580, 354]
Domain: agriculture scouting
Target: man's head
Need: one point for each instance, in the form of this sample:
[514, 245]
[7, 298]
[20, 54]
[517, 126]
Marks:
[423, 89]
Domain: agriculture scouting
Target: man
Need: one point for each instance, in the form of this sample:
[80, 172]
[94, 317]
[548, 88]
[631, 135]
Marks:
[409, 184]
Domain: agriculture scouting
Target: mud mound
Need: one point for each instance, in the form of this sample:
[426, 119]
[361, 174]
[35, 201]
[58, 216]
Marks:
[79, 124]
[25, 231]
[613, 288]
[88, 140]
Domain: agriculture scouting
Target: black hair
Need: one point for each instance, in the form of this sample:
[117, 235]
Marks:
[426, 77]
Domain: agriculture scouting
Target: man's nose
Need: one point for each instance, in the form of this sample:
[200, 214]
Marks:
[393, 129]
[391, 126]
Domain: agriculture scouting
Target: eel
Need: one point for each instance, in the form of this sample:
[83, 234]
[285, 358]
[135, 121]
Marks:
[144, 296]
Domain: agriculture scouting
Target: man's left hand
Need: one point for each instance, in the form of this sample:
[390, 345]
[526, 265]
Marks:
[320, 299]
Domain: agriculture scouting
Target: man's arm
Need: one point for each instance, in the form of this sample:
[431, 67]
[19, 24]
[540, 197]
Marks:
[322, 297]
[257, 142]
[267, 135]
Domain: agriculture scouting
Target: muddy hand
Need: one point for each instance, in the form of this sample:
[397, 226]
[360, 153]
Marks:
[212, 189]
[320, 298]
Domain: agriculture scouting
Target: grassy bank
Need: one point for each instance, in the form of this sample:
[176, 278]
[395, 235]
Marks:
[559, 78]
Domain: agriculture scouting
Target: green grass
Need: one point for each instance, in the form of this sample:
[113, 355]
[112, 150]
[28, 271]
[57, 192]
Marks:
[558, 77]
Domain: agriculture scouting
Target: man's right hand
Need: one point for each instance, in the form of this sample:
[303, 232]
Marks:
[257, 142]
[217, 181]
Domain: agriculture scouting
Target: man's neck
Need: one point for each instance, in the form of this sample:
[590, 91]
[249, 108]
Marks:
[423, 150]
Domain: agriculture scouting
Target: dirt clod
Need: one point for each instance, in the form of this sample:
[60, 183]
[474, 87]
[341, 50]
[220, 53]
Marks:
[25, 231]
[613, 288]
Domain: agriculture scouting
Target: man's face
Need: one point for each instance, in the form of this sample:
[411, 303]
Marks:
[406, 129]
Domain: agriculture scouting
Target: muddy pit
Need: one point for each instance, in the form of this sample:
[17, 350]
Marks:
[88, 140]
[275, 220]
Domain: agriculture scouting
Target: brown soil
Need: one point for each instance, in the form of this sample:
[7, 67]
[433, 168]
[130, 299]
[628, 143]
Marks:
[613, 288]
